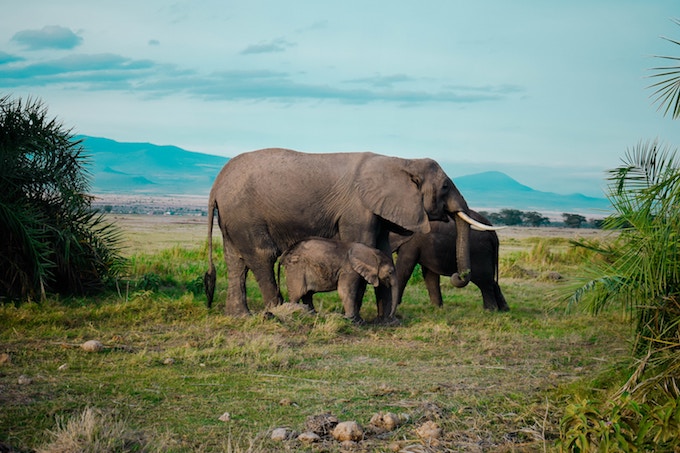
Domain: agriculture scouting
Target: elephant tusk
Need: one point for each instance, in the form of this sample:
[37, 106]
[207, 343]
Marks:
[475, 225]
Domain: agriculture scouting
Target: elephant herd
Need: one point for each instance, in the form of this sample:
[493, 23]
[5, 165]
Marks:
[335, 221]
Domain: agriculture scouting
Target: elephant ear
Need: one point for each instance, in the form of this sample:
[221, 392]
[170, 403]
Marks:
[390, 188]
[364, 262]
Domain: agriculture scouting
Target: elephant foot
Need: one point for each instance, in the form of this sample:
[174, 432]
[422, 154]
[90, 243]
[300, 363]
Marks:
[358, 320]
[236, 311]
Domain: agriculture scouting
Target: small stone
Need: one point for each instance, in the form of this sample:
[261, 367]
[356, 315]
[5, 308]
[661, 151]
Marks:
[225, 417]
[429, 431]
[24, 380]
[168, 361]
[281, 434]
[62, 367]
[309, 437]
[92, 346]
[286, 402]
[347, 431]
[386, 421]
[5, 359]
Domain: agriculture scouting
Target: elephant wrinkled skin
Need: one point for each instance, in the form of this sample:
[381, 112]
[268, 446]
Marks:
[268, 200]
[320, 265]
[435, 252]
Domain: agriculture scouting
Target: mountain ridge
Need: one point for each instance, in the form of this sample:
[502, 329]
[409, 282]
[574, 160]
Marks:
[136, 168]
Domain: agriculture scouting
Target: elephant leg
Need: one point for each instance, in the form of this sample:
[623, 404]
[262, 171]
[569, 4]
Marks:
[351, 288]
[236, 282]
[383, 299]
[404, 268]
[501, 303]
[433, 288]
[307, 299]
[263, 269]
[491, 295]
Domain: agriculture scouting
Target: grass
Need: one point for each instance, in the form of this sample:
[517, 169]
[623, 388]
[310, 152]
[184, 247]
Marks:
[171, 368]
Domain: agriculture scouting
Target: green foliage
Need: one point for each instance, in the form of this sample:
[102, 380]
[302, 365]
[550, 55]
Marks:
[667, 90]
[641, 268]
[622, 426]
[52, 240]
[485, 378]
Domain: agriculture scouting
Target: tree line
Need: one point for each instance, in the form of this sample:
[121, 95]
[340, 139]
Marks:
[515, 217]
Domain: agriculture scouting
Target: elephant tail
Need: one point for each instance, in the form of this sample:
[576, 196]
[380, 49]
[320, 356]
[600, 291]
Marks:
[210, 277]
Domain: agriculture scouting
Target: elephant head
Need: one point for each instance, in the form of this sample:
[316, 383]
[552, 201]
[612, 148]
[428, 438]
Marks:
[377, 269]
[391, 187]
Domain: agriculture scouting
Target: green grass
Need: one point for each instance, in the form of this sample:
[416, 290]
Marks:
[492, 381]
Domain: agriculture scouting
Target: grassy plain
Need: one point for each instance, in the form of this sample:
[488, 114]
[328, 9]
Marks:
[170, 368]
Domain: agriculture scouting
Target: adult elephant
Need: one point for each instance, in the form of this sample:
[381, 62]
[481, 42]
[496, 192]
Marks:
[435, 251]
[267, 200]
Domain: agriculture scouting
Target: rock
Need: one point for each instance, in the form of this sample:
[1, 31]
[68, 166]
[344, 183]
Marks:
[92, 346]
[321, 424]
[429, 431]
[309, 437]
[5, 359]
[24, 380]
[385, 421]
[225, 417]
[168, 361]
[63, 367]
[349, 445]
[281, 434]
[347, 431]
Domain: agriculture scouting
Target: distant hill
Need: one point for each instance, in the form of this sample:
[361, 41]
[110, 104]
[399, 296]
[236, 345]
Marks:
[146, 169]
[152, 170]
[493, 190]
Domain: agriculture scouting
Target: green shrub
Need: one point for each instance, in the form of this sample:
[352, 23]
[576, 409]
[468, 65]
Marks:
[624, 425]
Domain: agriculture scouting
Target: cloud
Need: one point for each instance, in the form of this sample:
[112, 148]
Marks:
[98, 70]
[114, 72]
[277, 45]
[383, 81]
[154, 42]
[50, 37]
[8, 58]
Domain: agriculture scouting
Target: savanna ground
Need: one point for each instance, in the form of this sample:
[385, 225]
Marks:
[171, 368]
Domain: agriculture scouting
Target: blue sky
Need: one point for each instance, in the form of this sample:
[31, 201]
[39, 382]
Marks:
[552, 93]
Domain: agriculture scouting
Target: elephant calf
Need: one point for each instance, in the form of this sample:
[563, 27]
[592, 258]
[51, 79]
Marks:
[436, 253]
[320, 265]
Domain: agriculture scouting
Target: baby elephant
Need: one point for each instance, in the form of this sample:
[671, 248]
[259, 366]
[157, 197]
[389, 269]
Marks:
[319, 265]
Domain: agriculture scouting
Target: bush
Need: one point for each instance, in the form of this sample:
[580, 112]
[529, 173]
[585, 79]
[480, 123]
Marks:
[52, 239]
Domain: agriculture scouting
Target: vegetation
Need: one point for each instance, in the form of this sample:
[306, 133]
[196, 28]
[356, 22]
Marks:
[52, 240]
[640, 273]
[170, 368]
[515, 217]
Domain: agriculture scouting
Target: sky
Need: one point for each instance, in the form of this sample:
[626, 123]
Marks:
[552, 93]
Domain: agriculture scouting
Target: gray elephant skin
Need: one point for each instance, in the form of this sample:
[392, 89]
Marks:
[435, 252]
[321, 265]
[267, 200]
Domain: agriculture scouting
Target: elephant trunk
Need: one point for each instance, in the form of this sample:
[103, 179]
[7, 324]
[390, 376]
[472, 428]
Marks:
[462, 277]
[394, 291]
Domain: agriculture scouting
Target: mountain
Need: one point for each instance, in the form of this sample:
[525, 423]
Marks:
[152, 170]
[493, 190]
[146, 169]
